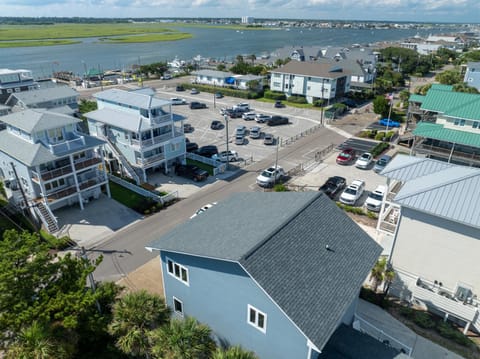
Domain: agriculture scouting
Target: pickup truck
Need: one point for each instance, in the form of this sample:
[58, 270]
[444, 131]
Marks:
[353, 192]
[270, 176]
[192, 172]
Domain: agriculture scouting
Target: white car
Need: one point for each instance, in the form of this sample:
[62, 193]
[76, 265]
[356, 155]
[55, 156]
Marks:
[249, 116]
[242, 106]
[203, 209]
[240, 130]
[178, 101]
[255, 132]
[374, 200]
[222, 156]
[364, 160]
[239, 139]
[262, 118]
[270, 176]
[353, 192]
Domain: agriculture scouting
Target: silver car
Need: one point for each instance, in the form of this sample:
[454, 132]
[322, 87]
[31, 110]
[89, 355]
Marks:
[239, 139]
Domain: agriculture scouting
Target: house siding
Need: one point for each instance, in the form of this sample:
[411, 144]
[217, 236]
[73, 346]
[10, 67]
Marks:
[456, 247]
[231, 290]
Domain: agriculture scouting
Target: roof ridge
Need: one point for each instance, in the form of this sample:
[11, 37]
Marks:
[277, 229]
[473, 173]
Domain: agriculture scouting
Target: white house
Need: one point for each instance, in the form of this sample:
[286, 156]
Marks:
[432, 210]
[226, 79]
[141, 132]
[12, 81]
[311, 79]
[47, 163]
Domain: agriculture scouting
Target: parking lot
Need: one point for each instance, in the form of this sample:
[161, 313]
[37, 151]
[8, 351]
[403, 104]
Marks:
[200, 119]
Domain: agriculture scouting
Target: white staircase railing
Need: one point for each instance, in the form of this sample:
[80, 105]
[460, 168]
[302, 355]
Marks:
[47, 217]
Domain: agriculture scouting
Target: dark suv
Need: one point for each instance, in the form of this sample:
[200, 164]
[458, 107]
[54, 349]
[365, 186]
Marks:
[277, 120]
[207, 151]
[192, 172]
[197, 105]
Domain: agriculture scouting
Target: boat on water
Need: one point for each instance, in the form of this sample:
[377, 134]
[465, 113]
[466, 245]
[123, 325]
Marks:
[176, 63]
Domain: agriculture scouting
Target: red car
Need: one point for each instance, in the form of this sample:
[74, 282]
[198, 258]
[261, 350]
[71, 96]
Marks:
[346, 157]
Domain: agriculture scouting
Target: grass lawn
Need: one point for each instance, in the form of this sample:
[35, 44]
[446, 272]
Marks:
[201, 165]
[7, 44]
[126, 197]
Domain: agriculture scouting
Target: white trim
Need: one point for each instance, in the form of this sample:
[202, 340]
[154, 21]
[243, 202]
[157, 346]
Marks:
[175, 299]
[177, 267]
[255, 323]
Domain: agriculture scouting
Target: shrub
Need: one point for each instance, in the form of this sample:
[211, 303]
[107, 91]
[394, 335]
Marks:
[424, 320]
[379, 148]
[297, 99]
[280, 187]
[273, 95]
[318, 103]
[372, 215]
[54, 242]
[446, 330]
[407, 312]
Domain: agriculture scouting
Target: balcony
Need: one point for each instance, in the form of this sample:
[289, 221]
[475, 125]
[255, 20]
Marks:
[66, 170]
[71, 190]
[75, 143]
[161, 118]
[149, 160]
[447, 154]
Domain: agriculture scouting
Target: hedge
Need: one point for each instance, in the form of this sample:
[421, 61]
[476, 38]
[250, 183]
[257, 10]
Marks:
[379, 148]
[297, 99]
[273, 95]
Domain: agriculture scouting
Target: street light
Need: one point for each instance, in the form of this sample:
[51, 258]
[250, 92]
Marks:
[226, 129]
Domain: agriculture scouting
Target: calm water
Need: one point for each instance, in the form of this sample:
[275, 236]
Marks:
[212, 43]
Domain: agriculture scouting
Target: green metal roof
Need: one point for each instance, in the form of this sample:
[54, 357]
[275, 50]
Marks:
[453, 104]
[416, 98]
[438, 132]
[442, 87]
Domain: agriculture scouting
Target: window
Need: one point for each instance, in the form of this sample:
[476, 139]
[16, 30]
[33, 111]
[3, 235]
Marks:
[257, 319]
[459, 122]
[476, 124]
[177, 270]
[177, 306]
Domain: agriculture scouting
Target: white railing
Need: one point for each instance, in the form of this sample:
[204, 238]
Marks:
[155, 140]
[380, 335]
[67, 145]
[448, 305]
[151, 159]
[122, 159]
[206, 160]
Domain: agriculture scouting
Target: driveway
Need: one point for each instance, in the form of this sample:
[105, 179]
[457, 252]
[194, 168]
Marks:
[100, 219]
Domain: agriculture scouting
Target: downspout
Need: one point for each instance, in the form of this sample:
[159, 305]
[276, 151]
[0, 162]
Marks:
[451, 153]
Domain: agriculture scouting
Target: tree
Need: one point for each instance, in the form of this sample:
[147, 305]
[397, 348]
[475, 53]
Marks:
[239, 59]
[221, 67]
[422, 90]
[464, 88]
[36, 341]
[381, 106]
[404, 96]
[449, 77]
[134, 316]
[252, 58]
[382, 273]
[182, 339]
[235, 352]
[36, 285]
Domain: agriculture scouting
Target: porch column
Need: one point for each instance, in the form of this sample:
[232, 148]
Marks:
[144, 171]
[451, 153]
[445, 317]
[105, 174]
[72, 165]
[465, 330]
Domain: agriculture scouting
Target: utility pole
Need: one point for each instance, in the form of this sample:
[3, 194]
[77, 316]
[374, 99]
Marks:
[276, 162]
[226, 130]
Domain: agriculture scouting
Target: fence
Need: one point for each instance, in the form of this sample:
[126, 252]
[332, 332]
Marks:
[319, 156]
[143, 192]
[365, 327]
[218, 167]
[288, 141]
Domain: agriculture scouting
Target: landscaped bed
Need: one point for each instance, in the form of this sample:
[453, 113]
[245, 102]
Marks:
[138, 203]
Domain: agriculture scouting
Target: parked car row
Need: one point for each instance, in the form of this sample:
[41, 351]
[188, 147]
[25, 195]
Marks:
[364, 161]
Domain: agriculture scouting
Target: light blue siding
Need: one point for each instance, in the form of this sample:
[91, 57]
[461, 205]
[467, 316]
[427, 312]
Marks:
[218, 295]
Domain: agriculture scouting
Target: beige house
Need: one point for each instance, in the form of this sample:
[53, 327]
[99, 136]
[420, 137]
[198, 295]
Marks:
[432, 211]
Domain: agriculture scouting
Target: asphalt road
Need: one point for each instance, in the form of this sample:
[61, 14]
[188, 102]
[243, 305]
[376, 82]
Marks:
[125, 250]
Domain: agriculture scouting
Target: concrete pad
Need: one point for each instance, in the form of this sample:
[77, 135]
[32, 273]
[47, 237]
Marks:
[99, 219]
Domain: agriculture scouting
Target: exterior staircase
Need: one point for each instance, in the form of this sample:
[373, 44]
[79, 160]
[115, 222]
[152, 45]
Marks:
[126, 165]
[47, 217]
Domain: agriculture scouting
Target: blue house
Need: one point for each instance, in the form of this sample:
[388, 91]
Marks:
[276, 273]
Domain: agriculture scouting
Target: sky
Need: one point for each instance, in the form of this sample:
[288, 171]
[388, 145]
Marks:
[462, 11]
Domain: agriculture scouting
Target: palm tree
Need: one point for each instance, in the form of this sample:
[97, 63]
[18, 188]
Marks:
[235, 352]
[134, 316]
[183, 339]
[36, 342]
[380, 273]
[252, 58]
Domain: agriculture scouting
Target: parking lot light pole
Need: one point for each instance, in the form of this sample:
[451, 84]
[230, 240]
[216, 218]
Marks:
[226, 130]
[276, 163]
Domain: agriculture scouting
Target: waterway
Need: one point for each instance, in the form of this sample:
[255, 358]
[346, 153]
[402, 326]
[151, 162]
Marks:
[220, 44]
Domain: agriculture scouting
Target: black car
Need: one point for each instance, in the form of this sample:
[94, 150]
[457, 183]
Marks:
[277, 120]
[233, 113]
[180, 88]
[279, 104]
[197, 105]
[187, 128]
[216, 125]
[191, 146]
[333, 186]
[207, 151]
[191, 172]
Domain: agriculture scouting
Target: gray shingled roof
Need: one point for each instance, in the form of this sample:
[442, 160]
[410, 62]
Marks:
[132, 98]
[32, 120]
[314, 69]
[213, 73]
[280, 239]
[405, 168]
[43, 95]
[32, 154]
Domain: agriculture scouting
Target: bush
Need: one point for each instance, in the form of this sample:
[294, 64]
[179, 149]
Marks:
[54, 242]
[372, 215]
[407, 312]
[280, 187]
[318, 103]
[297, 99]
[448, 331]
[379, 148]
[424, 320]
[274, 95]
[351, 209]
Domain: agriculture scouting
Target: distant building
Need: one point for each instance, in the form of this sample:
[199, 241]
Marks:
[247, 20]
[227, 79]
[12, 81]
[472, 75]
